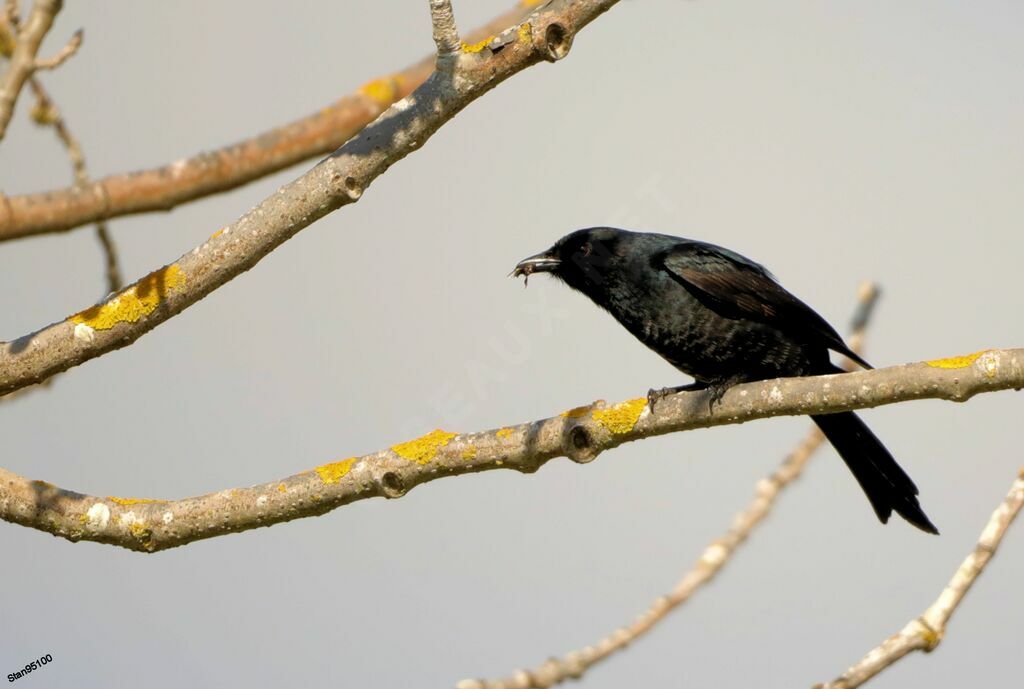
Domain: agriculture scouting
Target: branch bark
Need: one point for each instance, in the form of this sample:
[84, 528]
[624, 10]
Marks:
[24, 62]
[446, 34]
[336, 181]
[575, 664]
[213, 172]
[580, 434]
[926, 632]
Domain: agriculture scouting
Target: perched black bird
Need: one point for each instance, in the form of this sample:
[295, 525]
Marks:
[723, 319]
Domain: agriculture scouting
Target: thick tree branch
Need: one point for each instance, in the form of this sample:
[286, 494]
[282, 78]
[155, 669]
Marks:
[714, 558]
[926, 632]
[581, 434]
[27, 39]
[335, 182]
[212, 172]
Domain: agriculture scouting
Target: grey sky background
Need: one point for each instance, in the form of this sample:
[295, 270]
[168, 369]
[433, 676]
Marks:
[833, 141]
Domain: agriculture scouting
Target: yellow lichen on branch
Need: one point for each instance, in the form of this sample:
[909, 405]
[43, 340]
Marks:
[133, 501]
[135, 302]
[956, 361]
[422, 450]
[476, 47]
[622, 417]
[384, 90]
[334, 472]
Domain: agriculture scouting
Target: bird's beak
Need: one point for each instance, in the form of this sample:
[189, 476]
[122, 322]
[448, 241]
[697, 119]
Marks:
[541, 263]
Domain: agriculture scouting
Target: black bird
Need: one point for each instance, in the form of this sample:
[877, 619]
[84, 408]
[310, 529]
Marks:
[723, 319]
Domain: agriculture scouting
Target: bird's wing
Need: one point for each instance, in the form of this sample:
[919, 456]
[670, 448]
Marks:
[736, 287]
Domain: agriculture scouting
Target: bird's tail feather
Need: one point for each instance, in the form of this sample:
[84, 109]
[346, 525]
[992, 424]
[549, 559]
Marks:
[886, 484]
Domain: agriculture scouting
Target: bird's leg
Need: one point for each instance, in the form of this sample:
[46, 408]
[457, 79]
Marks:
[655, 396]
[719, 389]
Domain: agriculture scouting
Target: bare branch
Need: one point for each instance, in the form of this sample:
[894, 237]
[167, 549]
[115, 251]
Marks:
[112, 267]
[573, 665]
[212, 172]
[23, 56]
[69, 49]
[446, 34]
[46, 113]
[926, 632]
[335, 182]
[580, 434]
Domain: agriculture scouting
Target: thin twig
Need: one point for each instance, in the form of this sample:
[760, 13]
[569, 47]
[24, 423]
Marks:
[112, 267]
[27, 39]
[46, 113]
[211, 172]
[580, 434]
[926, 632]
[69, 49]
[574, 664]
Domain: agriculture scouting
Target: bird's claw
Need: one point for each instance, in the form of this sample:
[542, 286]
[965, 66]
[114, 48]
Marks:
[656, 395]
[717, 393]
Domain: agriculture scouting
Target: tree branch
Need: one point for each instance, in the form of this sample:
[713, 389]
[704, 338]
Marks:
[46, 113]
[212, 172]
[336, 181]
[446, 34]
[580, 434]
[926, 632]
[69, 49]
[24, 63]
[573, 665]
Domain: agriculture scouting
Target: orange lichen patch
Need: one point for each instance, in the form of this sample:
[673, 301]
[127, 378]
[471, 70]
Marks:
[423, 450]
[476, 47]
[133, 303]
[469, 452]
[957, 361]
[530, 3]
[622, 417]
[132, 501]
[576, 412]
[281, 488]
[383, 90]
[216, 234]
[332, 473]
[525, 31]
[504, 433]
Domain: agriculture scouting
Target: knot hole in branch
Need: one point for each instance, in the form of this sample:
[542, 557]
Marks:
[352, 188]
[557, 41]
[392, 485]
[580, 446]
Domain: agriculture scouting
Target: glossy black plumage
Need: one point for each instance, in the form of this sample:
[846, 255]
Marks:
[723, 319]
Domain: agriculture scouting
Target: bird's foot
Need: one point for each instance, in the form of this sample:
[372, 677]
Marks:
[718, 391]
[655, 396]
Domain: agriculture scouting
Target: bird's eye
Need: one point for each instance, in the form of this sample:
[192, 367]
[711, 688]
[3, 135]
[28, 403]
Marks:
[585, 249]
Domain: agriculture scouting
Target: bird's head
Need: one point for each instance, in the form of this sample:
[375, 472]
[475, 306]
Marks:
[581, 259]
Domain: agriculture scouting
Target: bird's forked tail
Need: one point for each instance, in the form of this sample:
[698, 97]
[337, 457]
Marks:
[886, 484]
